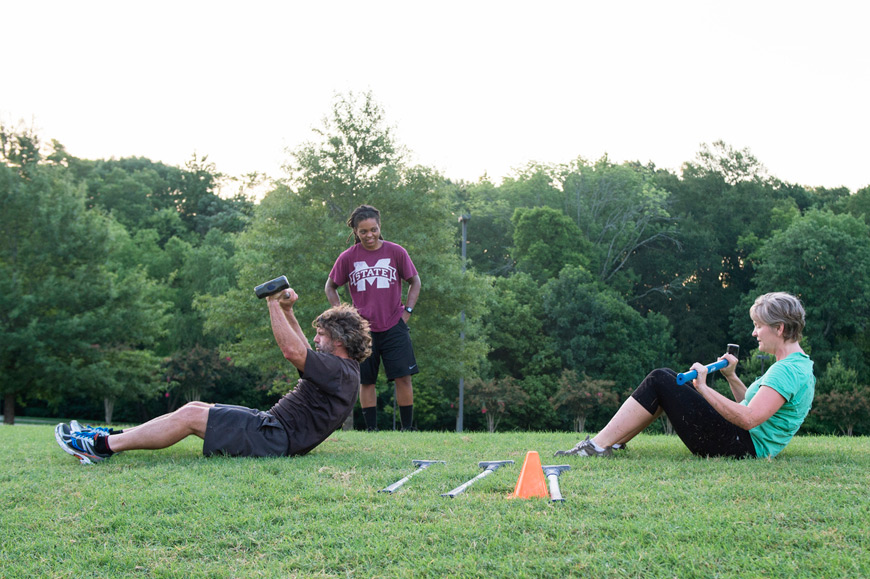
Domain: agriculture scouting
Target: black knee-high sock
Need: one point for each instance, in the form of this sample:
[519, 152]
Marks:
[370, 415]
[406, 413]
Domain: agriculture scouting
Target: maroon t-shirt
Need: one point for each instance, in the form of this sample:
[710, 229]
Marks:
[318, 405]
[375, 281]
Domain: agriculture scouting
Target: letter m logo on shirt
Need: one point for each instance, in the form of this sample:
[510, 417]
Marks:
[381, 274]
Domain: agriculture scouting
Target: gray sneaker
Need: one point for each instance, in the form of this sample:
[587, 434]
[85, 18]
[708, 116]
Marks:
[586, 448]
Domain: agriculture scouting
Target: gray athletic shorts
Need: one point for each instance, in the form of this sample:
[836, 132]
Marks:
[241, 431]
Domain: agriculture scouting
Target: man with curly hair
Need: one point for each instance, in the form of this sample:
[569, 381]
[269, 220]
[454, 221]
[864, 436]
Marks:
[323, 398]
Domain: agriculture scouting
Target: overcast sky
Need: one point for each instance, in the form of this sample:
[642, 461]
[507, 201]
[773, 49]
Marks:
[470, 87]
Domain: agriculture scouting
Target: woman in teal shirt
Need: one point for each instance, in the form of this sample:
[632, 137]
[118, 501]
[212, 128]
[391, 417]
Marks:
[759, 422]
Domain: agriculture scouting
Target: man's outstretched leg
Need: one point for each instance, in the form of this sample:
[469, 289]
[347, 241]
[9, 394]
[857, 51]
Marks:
[161, 432]
[164, 431]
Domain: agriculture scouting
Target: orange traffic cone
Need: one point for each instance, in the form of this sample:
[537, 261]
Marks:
[531, 482]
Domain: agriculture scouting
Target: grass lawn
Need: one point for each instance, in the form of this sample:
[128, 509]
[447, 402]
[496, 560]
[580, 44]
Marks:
[653, 511]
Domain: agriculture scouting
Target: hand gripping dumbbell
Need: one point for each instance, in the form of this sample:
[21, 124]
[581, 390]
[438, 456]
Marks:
[272, 287]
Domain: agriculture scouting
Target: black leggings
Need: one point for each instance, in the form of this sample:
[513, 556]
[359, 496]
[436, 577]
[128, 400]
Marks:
[703, 430]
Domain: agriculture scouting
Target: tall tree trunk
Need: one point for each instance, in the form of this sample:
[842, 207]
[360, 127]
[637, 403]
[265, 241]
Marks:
[109, 407]
[9, 408]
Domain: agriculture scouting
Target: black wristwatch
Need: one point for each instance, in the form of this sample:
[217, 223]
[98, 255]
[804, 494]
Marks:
[409, 310]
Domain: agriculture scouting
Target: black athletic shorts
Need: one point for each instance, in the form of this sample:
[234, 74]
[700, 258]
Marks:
[395, 349]
[241, 431]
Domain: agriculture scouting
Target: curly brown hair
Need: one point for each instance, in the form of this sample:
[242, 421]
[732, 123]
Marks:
[344, 324]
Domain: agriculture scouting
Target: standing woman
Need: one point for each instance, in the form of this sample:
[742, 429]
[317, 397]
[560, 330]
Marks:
[374, 270]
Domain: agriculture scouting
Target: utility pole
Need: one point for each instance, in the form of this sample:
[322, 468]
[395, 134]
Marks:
[463, 219]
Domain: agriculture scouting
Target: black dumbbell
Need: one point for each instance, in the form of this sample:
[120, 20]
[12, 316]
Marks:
[272, 287]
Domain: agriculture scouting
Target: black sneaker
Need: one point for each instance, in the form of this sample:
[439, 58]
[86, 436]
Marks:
[78, 444]
[586, 448]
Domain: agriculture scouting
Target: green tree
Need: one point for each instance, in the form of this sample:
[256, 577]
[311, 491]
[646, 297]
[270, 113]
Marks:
[619, 209]
[824, 259]
[514, 328]
[598, 334]
[832, 199]
[858, 204]
[201, 205]
[177, 202]
[352, 157]
[538, 412]
[138, 192]
[62, 309]
[194, 372]
[534, 185]
[722, 161]
[182, 241]
[545, 241]
[122, 364]
[490, 231]
[122, 374]
[495, 398]
[842, 403]
[581, 396]
[848, 409]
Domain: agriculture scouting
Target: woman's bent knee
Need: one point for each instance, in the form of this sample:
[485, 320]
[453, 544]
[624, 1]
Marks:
[649, 392]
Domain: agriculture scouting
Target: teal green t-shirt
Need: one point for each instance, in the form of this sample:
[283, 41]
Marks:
[793, 378]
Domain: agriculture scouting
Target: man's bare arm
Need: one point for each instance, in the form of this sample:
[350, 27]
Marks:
[285, 327]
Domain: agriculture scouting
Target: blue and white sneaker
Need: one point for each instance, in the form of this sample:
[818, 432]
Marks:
[75, 426]
[78, 444]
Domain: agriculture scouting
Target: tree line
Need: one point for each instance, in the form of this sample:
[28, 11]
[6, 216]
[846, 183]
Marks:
[126, 284]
